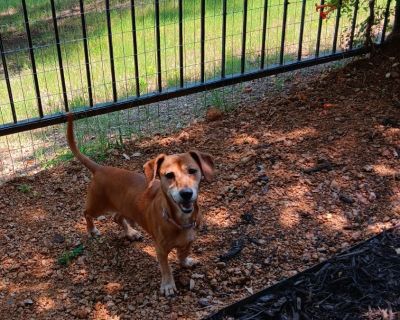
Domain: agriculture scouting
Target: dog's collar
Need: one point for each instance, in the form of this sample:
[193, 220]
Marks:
[187, 226]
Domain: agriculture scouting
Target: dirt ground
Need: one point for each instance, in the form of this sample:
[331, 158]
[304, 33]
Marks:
[302, 174]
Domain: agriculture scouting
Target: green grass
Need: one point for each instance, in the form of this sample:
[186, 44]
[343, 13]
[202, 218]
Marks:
[24, 188]
[73, 55]
[19, 65]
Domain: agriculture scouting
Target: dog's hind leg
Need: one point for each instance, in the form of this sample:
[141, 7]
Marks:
[94, 209]
[131, 233]
[91, 228]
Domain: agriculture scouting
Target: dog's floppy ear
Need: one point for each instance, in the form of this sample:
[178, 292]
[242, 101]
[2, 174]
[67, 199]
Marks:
[151, 169]
[206, 163]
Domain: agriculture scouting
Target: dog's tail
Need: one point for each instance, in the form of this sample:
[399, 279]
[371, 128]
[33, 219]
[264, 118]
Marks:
[88, 163]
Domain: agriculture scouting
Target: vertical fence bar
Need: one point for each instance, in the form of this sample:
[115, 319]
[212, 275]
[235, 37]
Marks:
[285, 9]
[244, 35]
[86, 51]
[202, 39]
[7, 78]
[385, 21]
[158, 44]
[135, 49]
[303, 15]
[353, 24]
[111, 51]
[181, 81]
[264, 34]
[223, 45]
[335, 36]
[59, 55]
[319, 31]
[32, 58]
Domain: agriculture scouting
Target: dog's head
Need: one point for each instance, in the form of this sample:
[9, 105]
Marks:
[180, 176]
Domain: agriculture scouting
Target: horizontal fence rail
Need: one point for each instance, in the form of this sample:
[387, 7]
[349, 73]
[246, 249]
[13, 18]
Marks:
[106, 56]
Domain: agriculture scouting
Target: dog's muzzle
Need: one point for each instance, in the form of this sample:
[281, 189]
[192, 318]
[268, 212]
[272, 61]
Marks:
[186, 203]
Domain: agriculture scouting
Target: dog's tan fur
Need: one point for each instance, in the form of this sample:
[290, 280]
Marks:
[148, 201]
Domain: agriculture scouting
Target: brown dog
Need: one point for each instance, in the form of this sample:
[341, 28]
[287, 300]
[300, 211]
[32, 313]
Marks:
[166, 207]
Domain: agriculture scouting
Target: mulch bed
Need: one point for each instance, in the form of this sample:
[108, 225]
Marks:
[361, 283]
[302, 174]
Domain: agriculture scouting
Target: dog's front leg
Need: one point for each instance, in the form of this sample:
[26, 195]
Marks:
[183, 257]
[167, 280]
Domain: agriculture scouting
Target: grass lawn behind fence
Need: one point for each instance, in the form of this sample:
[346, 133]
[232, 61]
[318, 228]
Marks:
[70, 28]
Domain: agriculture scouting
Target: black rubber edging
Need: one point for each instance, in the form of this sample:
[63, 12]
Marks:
[230, 310]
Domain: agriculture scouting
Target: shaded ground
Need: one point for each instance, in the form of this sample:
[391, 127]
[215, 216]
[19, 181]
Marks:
[287, 217]
[362, 282]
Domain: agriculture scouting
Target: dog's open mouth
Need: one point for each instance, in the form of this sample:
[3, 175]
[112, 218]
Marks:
[186, 207]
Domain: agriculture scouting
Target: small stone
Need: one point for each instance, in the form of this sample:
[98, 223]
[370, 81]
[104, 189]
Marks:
[58, 238]
[345, 198]
[368, 168]
[329, 216]
[387, 75]
[28, 302]
[287, 143]
[334, 185]
[204, 302]
[191, 284]
[197, 276]
[247, 89]
[356, 235]
[126, 157]
[136, 154]
[372, 196]
[245, 159]
[362, 199]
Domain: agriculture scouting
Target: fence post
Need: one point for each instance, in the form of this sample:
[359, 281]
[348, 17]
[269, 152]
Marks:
[353, 24]
[244, 34]
[319, 31]
[32, 57]
[135, 49]
[158, 45]
[264, 34]
[303, 14]
[223, 45]
[181, 80]
[202, 40]
[7, 78]
[86, 51]
[285, 9]
[111, 51]
[335, 36]
[59, 55]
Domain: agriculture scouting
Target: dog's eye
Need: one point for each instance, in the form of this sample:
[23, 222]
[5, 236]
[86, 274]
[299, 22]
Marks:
[192, 171]
[169, 175]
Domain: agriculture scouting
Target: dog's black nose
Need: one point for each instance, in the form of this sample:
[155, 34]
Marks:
[186, 194]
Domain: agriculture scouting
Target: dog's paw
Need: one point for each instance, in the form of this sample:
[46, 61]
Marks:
[94, 232]
[189, 262]
[168, 289]
[133, 235]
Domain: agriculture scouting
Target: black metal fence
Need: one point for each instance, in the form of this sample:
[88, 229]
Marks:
[194, 46]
